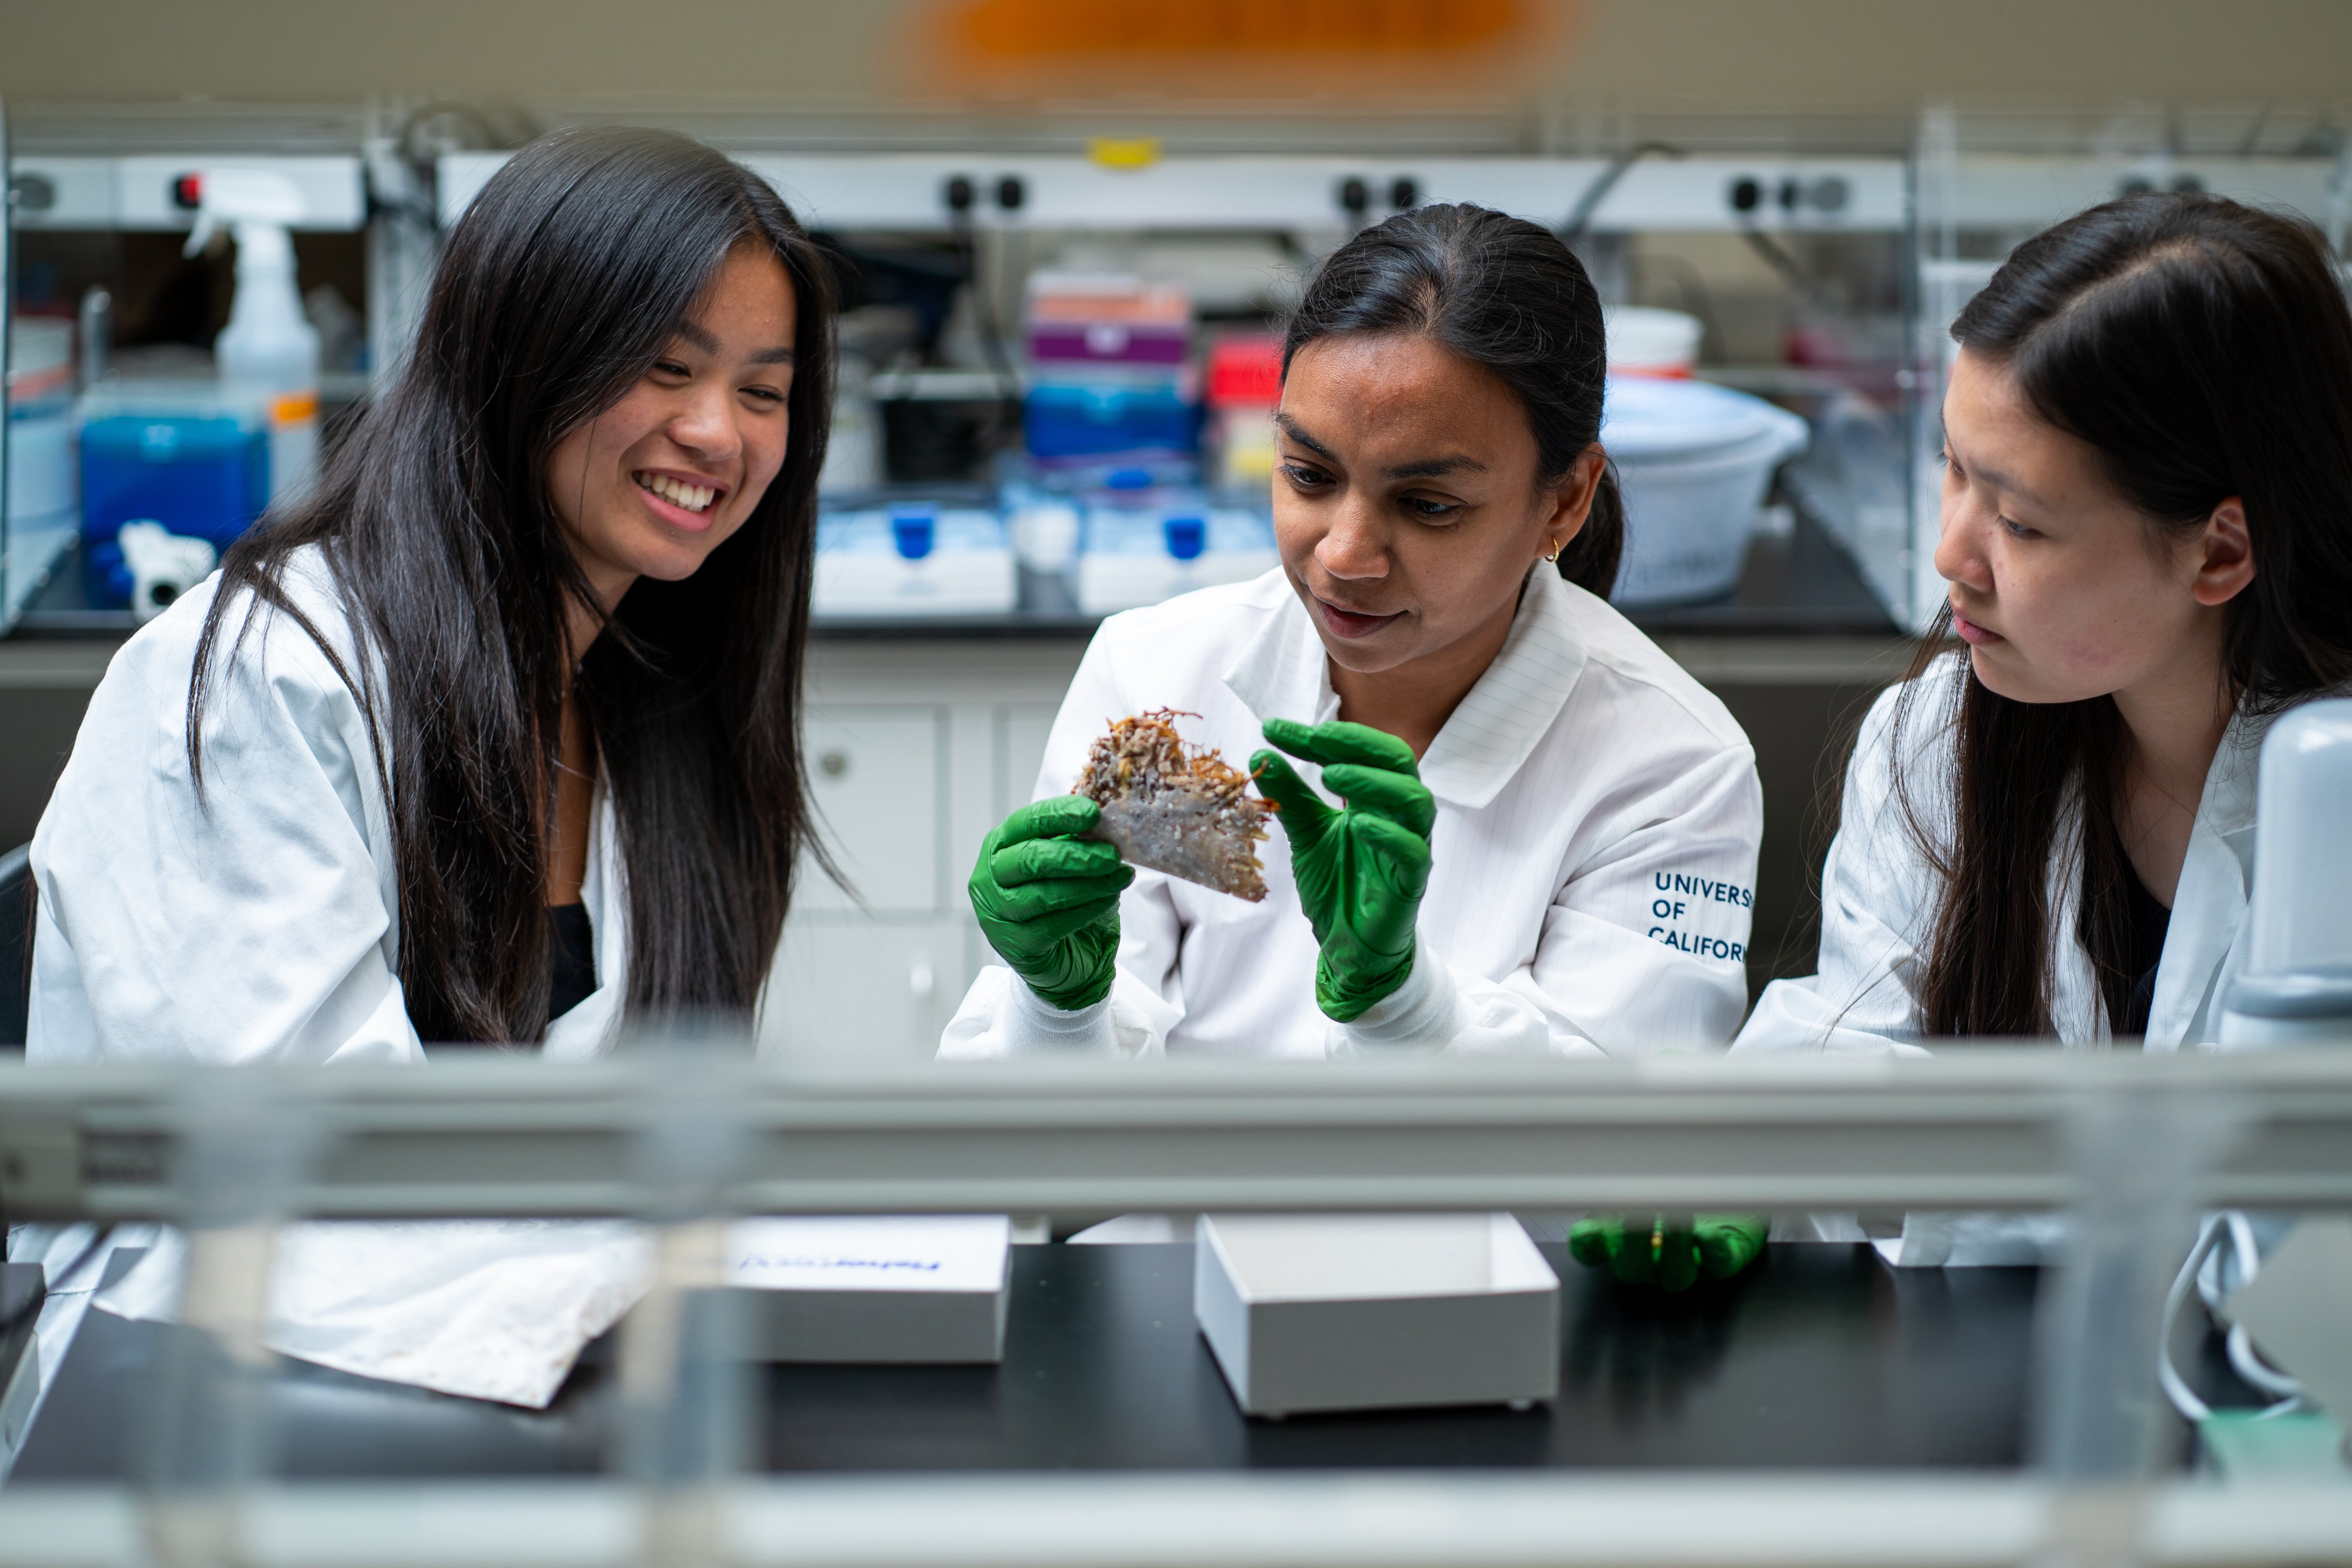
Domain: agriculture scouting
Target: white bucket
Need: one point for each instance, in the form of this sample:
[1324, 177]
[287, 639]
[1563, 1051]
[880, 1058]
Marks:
[1694, 461]
[1643, 341]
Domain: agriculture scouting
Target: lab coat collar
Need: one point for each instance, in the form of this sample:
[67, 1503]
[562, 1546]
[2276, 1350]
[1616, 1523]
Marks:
[2208, 906]
[1283, 673]
[1498, 725]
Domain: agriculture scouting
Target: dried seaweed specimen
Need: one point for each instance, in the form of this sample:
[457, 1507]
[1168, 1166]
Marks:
[1176, 808]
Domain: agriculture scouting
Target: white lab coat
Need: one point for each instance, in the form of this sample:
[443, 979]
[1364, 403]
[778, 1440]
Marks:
[1593, 858]
[1879, 893]
[264, 926]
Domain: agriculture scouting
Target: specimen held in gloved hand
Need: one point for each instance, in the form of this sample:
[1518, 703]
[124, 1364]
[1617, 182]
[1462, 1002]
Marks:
[1176, 808]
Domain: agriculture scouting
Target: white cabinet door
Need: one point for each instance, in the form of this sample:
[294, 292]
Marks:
[863, 990]
[874, 776]
[1026, 727]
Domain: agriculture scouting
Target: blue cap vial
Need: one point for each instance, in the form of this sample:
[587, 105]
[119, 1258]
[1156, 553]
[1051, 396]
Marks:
[912, 529]
[1187, 536]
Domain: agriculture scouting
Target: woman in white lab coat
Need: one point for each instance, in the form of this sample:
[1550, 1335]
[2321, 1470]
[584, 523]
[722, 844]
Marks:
[1549, 831]
[2148, 535]
[491, 740]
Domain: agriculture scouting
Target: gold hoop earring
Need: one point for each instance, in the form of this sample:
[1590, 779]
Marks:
[1554, 556]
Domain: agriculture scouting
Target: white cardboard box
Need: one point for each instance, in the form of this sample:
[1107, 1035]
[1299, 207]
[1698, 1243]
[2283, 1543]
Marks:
[1375, 1311]
[917, 1289]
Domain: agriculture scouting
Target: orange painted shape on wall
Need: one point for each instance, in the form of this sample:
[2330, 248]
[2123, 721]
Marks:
[1226, 48]
[1031, 29]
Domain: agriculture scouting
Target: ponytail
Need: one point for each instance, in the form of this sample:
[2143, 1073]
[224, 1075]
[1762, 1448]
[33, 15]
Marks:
[1591, 559]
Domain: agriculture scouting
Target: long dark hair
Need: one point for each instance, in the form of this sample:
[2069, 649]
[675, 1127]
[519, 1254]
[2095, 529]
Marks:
[1503, 293]
[565, 279]
[2202, 349]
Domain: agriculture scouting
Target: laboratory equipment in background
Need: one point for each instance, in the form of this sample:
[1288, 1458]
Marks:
[1694, 463]
[163, 565]
[40, 463]
[2296, 987]
[1045, 528]
[1244, 388]
[914, 558]
[1109, 368]
[1140, 542]
[1985, 180]
[192, 456]
[268, 347]
[1647, 341]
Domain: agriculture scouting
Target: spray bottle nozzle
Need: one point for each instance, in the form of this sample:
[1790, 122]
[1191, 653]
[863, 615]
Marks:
[242, 196]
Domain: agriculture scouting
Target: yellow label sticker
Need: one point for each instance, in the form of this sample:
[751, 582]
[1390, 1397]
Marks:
[1124, 152]
[294, 408]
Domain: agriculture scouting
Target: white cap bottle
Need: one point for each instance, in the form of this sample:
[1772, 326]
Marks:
[268, 347]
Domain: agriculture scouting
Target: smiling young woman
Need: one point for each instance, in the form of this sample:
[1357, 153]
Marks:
[2148, 536]
[494, 739]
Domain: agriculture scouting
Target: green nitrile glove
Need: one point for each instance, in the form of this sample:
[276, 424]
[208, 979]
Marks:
[1670, 1251]
[1360, 872]
[1048, 901]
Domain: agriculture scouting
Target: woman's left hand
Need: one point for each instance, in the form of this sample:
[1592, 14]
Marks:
[1360, 872]
[1670, 1251]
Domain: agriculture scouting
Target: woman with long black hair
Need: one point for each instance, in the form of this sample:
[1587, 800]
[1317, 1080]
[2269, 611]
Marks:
[494, 738]
[1547, 830]
[2148, 534]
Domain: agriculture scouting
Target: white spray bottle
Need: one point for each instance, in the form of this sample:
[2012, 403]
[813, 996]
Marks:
[267, 348]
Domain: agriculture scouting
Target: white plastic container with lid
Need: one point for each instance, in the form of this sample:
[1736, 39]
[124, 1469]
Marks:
[1694, 461]
[914, 560]
[1646, 341]
[1135, 556]
[2296, 987]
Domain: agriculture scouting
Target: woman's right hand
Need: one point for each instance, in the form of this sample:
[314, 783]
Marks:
[1047, 900]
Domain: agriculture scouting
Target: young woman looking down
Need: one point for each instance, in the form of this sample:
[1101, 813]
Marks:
[1532, 794]
[2148, 531]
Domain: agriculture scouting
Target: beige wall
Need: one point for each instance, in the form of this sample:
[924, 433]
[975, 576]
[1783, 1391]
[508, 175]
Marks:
[752, 54]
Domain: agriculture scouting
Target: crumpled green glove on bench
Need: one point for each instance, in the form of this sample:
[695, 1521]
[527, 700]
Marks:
[1361, 871]
[1670, 1251]
[1047, 901]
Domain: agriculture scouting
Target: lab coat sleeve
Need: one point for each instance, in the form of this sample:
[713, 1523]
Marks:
[1441, 1008]
[1611, 974]
[1001, 1016]
[256, 925]
[1878, 888]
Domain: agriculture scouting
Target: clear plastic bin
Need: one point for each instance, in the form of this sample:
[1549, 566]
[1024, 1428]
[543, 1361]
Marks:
[189, 456]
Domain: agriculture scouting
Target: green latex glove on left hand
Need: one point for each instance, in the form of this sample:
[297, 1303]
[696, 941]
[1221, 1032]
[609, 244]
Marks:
[1670, 1251]
[1361, 871]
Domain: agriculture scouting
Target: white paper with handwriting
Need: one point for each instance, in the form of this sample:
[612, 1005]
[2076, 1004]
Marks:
[868, 1252]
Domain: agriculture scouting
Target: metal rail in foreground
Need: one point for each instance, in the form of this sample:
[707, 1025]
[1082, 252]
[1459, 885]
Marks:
[1296, 1520]
[1969, 1129]
[2129, 1144]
